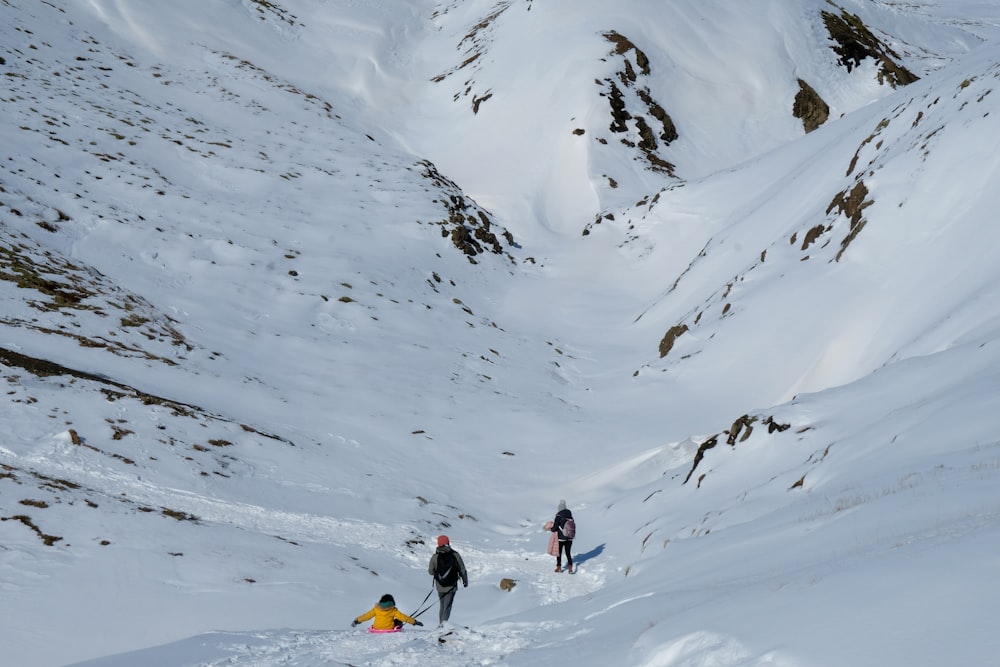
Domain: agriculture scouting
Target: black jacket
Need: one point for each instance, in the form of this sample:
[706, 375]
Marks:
[559, 521]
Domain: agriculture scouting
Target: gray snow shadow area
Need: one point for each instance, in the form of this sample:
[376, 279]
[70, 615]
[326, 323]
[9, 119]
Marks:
[593, 553]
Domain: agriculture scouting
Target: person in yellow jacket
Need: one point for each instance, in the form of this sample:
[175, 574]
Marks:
[386, 616]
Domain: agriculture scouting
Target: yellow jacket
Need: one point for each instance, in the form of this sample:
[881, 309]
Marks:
[385, 618]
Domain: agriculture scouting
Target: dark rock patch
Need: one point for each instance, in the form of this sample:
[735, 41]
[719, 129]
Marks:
[855, 42]
[809, 107]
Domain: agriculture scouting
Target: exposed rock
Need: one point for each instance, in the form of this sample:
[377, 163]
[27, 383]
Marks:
[667, 343]
[738, 432]
[742, 425]
[623, 45]
[469, 227]
[812, 235]
[700, 454]
[851, 204]
[810, 107]
[855, 42]
[647, 117]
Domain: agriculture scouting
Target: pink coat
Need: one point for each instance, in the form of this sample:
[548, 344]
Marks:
[553, 549]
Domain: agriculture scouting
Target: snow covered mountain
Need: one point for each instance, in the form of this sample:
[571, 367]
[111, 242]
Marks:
[292, 287]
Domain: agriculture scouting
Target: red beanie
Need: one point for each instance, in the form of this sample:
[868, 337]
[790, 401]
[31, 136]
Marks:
[442, 540]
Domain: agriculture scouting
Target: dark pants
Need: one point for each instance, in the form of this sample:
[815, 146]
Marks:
[445, 598]
[565, 546]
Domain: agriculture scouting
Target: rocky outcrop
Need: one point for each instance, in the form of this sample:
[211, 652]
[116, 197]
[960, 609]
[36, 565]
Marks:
[855, 42]
[809, 107]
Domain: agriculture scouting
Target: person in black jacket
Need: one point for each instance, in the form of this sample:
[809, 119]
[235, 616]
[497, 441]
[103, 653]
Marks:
[447, 567]
[565, 542]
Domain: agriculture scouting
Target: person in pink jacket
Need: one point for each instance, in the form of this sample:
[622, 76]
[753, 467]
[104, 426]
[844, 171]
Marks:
[565, 527]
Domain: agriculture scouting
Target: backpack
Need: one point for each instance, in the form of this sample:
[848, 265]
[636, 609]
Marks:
[446, 572]
[568, 529]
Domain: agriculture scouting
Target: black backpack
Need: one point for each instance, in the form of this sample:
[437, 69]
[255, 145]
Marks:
[446, 572]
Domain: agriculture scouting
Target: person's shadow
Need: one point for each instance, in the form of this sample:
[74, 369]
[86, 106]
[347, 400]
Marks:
[593, 553]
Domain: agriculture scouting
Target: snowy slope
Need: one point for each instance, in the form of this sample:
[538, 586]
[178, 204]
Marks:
[292, 288]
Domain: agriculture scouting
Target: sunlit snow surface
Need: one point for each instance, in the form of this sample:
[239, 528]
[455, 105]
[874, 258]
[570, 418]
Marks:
[229, 223]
